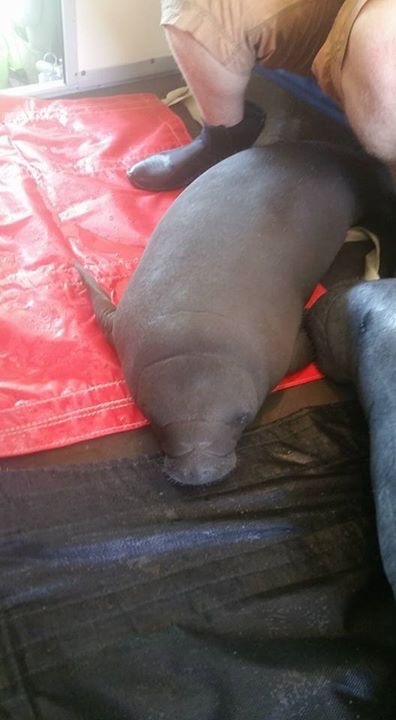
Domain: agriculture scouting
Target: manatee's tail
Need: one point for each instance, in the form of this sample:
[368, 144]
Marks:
[102, 305]
[354, 331]
[374, 307]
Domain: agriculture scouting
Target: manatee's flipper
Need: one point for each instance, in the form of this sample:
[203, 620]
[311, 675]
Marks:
[102, 305]
[303, 352]
[354, 330]
[327, 325]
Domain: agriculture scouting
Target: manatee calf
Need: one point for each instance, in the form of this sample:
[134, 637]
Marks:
[353, 328]
[208, 322]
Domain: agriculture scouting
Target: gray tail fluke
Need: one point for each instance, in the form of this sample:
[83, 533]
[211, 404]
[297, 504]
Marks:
[102, 305]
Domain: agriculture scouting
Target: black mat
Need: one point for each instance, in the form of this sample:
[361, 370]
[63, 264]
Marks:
[124, 598]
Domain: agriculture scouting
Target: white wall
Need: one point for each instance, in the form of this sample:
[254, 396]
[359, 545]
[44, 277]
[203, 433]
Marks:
[113, 33]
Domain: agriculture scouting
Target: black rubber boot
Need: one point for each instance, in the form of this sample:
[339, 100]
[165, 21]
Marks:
[177, 168]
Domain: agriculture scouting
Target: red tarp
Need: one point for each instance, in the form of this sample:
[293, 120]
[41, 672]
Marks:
[65, 197]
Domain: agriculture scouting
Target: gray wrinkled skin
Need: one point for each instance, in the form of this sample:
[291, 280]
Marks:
[353, 330]
[209, 321]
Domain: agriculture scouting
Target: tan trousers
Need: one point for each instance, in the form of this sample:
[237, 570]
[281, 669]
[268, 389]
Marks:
[303, 36]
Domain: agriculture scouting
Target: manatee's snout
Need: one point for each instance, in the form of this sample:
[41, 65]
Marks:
[199, 452]
[199, 468]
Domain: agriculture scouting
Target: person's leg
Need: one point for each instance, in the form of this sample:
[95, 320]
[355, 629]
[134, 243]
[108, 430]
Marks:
[218, 91]
[230, 125]
[368, 78]
[216, 45]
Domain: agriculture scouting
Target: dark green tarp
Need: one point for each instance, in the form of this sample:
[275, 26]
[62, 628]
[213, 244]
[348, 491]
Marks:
[125, 598]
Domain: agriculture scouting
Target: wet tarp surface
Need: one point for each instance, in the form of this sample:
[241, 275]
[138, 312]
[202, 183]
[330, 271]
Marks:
[123, 597]
[65, 198]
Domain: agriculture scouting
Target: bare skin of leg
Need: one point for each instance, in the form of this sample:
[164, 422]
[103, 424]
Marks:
[219, 93]
[369, 79]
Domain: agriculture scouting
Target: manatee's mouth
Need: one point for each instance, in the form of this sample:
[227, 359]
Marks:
[199, 468]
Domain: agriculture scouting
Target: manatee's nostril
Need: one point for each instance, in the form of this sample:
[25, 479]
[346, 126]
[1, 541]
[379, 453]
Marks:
[199, 469]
